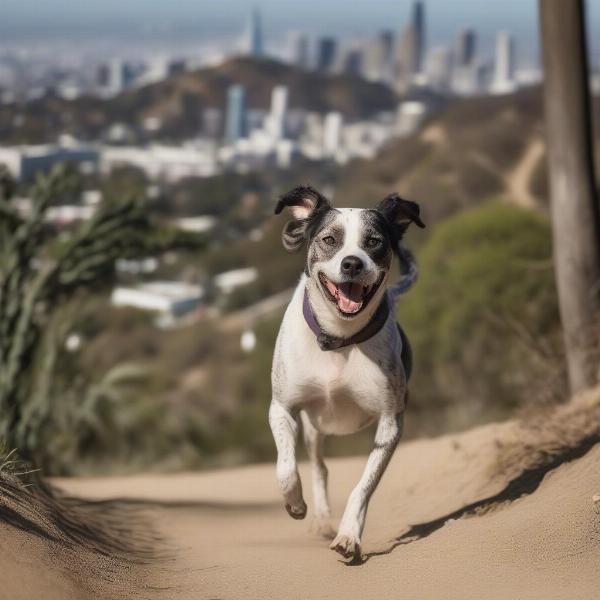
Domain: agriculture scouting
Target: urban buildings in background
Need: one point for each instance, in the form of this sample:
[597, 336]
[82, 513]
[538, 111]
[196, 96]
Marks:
[232, 136]
[398, 56]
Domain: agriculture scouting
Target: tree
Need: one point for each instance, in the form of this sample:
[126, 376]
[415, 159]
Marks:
[574, 203]
[40, 271]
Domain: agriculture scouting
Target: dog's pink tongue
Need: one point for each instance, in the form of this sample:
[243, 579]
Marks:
[350, 297]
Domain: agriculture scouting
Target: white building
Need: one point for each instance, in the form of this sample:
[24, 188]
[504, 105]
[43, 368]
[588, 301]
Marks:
[276, 119]
[504, 68]
[230, 280]
[23, 162]
[169, 299]
[200, 224]
[332, 133]
[438, 68]
[163, 162]
[409, 117]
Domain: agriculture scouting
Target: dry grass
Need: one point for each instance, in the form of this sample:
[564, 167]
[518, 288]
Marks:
[537, 441]
[107, 549]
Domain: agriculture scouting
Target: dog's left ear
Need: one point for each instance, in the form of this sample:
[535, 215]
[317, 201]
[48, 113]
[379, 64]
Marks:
[400, 213]
[305, 205]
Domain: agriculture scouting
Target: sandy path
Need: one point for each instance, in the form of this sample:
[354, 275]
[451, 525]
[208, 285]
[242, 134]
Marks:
[232, 538]
[518, 181]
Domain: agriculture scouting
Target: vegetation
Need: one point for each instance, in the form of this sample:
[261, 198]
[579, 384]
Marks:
[483, 318]
[40, 270]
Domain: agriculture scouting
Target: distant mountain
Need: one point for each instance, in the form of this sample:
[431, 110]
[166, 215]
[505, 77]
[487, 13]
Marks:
[177, 102]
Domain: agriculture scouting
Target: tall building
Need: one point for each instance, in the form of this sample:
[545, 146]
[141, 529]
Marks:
[410, 59]
[378, 57]
[466, 48]
[332, 133]
[255, 35]
[326, 53]
[438, 68]
[119, 76]
[276, 120]
[418, 23]
[235, 125]
[299, 50]
[353, 62]
[504, 65]
[406, 59]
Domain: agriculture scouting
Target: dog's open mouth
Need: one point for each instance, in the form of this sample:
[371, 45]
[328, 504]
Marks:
[350, 297]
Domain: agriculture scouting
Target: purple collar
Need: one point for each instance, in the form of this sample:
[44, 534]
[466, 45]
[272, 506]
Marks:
[330, 342]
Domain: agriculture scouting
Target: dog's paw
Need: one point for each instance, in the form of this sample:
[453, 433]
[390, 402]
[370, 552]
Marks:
[346, 545]
[323, 528]
[296, 512]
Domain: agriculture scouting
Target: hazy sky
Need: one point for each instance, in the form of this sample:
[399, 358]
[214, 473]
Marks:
[204, 18]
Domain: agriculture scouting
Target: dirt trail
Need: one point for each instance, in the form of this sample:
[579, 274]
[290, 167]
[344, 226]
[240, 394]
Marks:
[232, 539]
[518, 180]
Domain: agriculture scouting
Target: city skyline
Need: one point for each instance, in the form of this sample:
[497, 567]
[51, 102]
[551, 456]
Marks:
[147, 20]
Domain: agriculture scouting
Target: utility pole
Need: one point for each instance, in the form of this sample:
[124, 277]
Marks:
[574, 202]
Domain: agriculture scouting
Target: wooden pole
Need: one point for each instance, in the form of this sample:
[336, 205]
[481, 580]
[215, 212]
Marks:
[574, 203]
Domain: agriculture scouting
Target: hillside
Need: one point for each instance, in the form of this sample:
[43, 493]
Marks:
[502, 511]
[478, 148]
[178, 101]
[216, 397]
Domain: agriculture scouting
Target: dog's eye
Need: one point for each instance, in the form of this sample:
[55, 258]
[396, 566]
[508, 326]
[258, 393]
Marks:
[329, 240]
[373, 242]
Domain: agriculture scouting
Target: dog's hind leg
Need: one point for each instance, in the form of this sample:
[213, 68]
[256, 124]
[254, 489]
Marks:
[389, 431]
[285, 431]
[314, 441]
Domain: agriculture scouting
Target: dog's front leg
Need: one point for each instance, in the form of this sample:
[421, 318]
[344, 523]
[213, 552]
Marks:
[285, 431]
[347, 541]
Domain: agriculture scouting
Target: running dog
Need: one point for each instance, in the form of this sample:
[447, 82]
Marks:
[341, 361]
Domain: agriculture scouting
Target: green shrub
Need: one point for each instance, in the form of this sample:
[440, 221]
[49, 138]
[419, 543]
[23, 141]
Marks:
[486, 288]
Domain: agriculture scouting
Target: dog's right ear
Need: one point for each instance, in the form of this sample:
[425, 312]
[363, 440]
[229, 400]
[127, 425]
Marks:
[305, 205]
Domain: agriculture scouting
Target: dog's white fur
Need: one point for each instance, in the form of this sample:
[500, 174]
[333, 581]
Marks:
[337, 392]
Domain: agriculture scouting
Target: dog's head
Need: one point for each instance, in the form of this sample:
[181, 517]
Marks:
[349, 250]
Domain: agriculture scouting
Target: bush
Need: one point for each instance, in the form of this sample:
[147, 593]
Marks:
[483, 313]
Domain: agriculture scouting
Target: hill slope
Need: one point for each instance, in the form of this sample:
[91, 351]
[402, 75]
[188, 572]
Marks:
[234, 539]
[179, 100]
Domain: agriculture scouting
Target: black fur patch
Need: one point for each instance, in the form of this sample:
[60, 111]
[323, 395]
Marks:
[376, 227]
[298, 231]
[399, 213]
[319, 250]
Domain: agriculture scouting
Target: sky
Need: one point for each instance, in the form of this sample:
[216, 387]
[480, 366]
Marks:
[89, 18]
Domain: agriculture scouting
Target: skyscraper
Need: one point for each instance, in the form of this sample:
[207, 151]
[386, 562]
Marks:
[353, 62]
[466, 47]
[406, 59]
[235, 126]
[410, 59]
[378, 57]
[504, 67]
[326, 51]
[299, 50]
[418, 23]
[255, 36]
[438, 68]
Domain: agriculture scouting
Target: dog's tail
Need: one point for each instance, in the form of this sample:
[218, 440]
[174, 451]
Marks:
[409, 272]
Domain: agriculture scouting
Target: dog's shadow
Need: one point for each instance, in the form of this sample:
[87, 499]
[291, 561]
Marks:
[525, 483]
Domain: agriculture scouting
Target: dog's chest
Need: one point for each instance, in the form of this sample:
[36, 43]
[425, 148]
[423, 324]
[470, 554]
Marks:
[342, 395]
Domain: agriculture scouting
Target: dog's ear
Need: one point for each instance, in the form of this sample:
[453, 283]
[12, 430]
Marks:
[400, 213]
[305, 205]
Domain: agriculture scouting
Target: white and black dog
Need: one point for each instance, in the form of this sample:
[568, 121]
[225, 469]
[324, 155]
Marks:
[341, 361]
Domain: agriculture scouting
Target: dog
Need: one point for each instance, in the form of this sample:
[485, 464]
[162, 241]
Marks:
[341, 362]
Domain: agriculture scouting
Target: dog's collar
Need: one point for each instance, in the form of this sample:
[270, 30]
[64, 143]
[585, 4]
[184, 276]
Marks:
[330, 342]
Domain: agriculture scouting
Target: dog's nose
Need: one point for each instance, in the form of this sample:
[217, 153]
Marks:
[352, 266]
